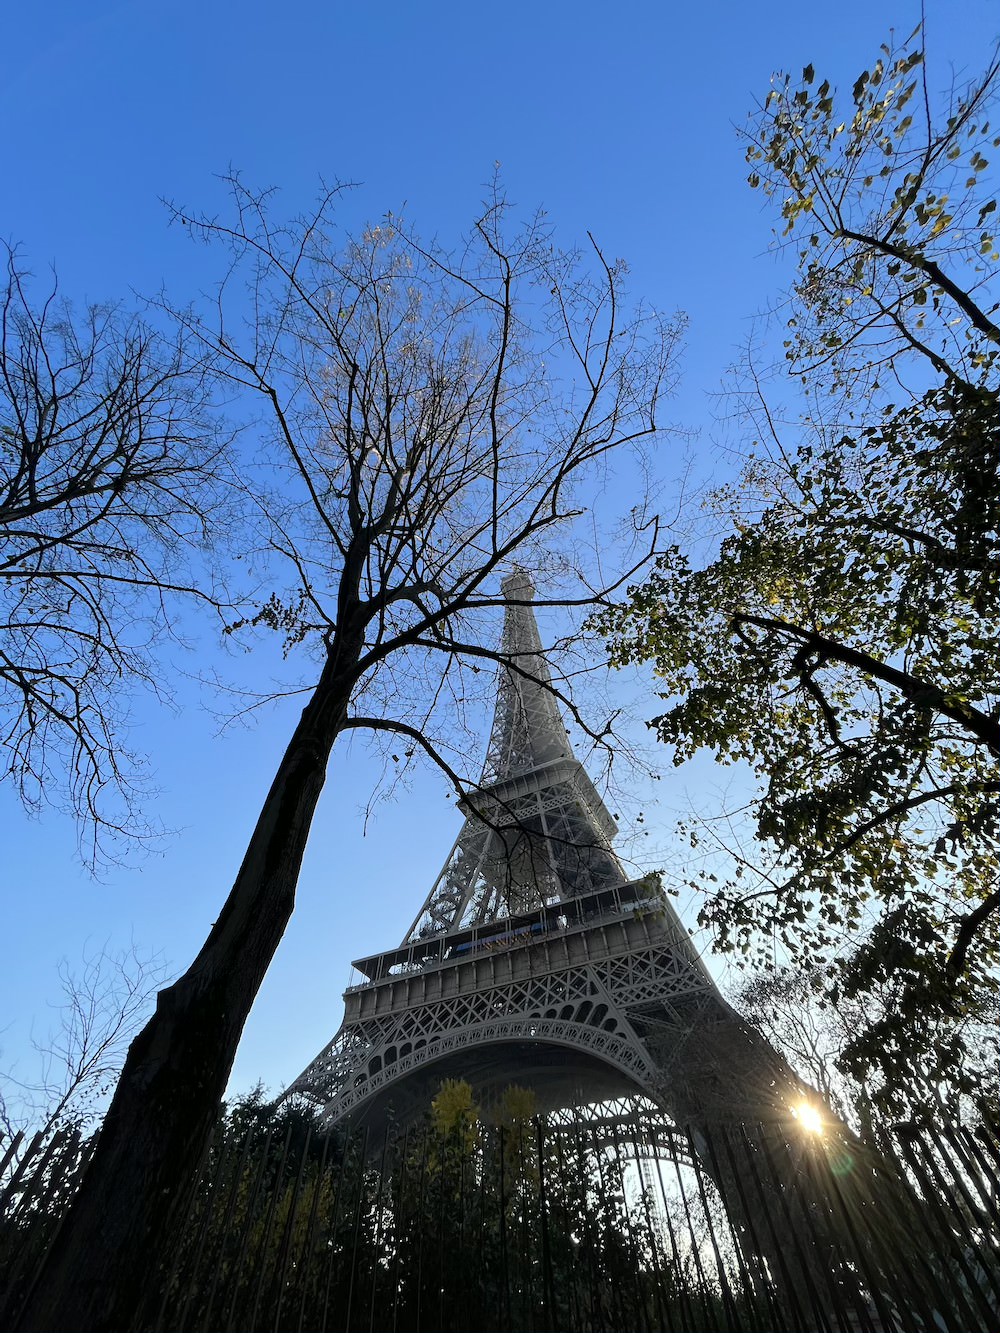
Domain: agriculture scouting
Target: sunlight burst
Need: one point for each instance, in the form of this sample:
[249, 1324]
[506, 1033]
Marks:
[809, 1118]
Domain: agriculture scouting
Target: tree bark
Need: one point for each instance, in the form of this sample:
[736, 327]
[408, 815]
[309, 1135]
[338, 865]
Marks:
[119, 1227]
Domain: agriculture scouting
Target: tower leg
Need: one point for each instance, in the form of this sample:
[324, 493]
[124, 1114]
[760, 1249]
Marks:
[806, 1197]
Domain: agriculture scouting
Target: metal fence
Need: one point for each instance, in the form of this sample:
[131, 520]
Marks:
[617, 1223]
[38, 1178]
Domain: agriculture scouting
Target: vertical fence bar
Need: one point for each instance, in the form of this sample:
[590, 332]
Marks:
[527, 1267]
[486, 1167]
[615, 1295]
[869, 1251]
[944, 1237]
[720, 1267]
[985, 1136]
[695, 1249]
[575, 1319]
[655, 1246]
[310, 1238]
[963, 1216]
[977, 1171]
[210, 1182]
[780, 1192]
[37, 1239]
[683, 1294]
[377, 1238]
[749, 1282]
[400, 1222]
[789, 1290]
[362, 1162]
[12, 1148]
[641, 1278]
[462, 1165]
[50, 1232]
[243, 1242]
[838, 1281]
[33, 1192]
[442, 1184]
[419, 1285]
[548, 1285]
[756, 1254]
[332, 1242]
[55, 1148]
[224, 1230]
[289, 1232]
[502, 1201]
[272, 1204]
[21, 1168]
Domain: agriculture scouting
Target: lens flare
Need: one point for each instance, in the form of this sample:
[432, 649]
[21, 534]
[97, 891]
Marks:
[809, 1118]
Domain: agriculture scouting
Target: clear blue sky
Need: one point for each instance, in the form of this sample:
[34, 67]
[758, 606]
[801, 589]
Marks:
[617, 118]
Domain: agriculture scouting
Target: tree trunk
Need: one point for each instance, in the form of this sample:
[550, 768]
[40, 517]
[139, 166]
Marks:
[119, 1227]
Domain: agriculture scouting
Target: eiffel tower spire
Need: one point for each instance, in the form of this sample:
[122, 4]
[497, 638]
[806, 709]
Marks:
[536, 831]
[528, 729]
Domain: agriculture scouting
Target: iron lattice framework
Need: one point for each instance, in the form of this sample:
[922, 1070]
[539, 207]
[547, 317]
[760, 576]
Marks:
[536, 831]
[535, 959]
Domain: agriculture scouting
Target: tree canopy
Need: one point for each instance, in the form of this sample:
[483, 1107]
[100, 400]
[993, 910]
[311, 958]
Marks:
[841, 643]
[789, 1007]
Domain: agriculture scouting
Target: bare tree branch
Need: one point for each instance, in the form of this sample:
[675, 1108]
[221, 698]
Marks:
[112, 480]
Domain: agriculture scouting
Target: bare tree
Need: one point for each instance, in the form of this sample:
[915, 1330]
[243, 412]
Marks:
[431, 416]
[110, 467]
[105, 1000]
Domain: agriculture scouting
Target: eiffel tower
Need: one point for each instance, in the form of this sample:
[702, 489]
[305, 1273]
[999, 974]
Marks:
[535, 959]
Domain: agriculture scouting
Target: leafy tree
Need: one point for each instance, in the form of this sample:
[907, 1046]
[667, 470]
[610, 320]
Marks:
[111, 465]
[523, 1225]
[544, 1213]
[431, 417]
[842, 641]
[454, 1114]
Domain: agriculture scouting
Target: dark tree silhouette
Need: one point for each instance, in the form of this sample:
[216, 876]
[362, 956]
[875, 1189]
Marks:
[111, 467]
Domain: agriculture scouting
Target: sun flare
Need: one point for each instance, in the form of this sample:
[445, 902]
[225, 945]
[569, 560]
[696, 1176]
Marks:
[809, 1118]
